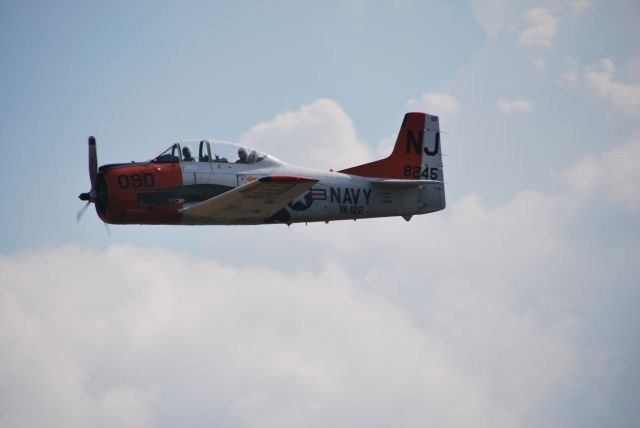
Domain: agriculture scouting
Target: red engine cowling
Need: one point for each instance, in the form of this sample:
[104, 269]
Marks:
[118, 188]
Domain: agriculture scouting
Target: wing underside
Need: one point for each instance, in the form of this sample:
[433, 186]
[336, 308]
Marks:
[251, 203]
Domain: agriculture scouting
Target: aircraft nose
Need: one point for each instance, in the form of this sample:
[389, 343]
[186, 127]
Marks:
[101, 195]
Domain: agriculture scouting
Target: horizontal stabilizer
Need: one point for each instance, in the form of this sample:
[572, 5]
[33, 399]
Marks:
[396, 182]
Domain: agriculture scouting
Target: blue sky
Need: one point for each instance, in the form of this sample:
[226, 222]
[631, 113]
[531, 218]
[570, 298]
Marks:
[140, 75]
[513, 307]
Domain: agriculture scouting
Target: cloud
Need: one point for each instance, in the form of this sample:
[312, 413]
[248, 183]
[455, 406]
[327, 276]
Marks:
[467, 317]
[579, 5]
[318, 135]
[539, 65]
[634, 67]
[495, 16]
[155, 337]
[624, 97]
[515, 106]
[570, 77]
[492, 15]
[435, 103]
[541, 30]
[612, 176]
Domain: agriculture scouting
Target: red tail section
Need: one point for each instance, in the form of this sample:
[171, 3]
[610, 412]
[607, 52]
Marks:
[406, 157]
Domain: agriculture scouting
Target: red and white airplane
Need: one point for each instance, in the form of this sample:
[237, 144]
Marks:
[227, 184]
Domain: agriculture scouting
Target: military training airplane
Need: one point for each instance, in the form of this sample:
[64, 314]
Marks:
[227, 184]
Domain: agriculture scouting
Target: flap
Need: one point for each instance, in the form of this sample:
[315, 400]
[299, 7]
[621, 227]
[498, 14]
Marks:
[255, 201]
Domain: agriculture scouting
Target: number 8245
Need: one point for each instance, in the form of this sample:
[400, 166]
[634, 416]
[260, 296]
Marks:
[413, 171]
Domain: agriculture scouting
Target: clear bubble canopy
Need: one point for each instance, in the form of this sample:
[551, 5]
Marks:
[210, 151]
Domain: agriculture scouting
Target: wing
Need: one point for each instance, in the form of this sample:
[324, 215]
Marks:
[251, 203]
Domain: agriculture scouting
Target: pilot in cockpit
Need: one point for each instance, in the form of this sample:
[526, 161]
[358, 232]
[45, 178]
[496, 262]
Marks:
[242, 155]
[253, 157]
[186, 154]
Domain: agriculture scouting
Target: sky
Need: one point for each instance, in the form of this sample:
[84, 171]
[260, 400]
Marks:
[514, 307]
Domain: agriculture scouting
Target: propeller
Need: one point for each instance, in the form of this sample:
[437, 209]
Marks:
[81, 212]
[93, 172]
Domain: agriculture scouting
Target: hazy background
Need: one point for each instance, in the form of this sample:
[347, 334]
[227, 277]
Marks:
[516, 306]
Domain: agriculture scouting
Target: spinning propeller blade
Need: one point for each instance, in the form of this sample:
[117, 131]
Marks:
[81, 212]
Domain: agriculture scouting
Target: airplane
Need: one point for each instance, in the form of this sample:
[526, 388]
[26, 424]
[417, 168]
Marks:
[228, 184]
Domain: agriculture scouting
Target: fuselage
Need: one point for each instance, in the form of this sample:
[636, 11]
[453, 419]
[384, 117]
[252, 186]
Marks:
[156, 191]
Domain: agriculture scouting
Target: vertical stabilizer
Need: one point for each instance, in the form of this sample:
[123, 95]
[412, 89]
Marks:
[416, 154]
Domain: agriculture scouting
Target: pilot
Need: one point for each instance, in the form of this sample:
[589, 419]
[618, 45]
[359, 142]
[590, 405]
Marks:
[186, 154]
[253, 156]
[242, 155]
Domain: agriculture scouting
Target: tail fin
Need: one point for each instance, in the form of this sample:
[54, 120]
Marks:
[416, 154]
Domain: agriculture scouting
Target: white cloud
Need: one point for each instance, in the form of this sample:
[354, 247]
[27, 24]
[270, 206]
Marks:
[569, 79]
[385, 147]
[541, 30]
[495, 16]
[579, 5]
[435, 103]
[570, 76]
[492, 15]
[614, 175]
[455, 329]
[634, 67]
[514, 106]
[318, 135]
[539, 65]
[624, 97]
[132, 336]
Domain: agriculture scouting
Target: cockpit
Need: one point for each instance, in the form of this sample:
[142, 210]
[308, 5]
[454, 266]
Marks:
[214, 151]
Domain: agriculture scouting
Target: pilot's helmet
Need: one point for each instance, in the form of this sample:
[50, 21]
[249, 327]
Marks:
[253, 156]
[242, 153]
[186, 151]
